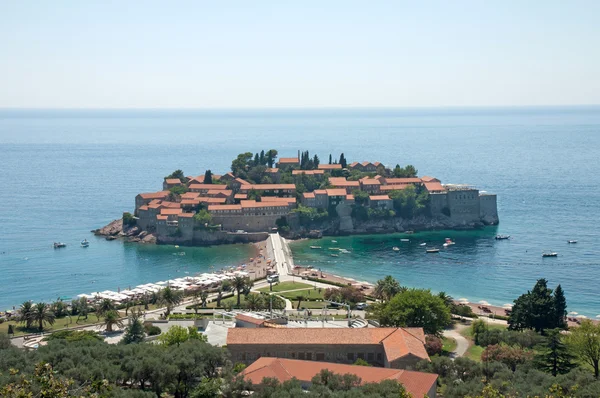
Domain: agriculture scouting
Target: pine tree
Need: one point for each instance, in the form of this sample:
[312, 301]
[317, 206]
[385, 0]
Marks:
[560, 307]
[256, 159]
[553, 355]
[316, 161]
[134, 333]
[208, 177]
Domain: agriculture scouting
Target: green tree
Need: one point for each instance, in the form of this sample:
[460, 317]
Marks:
[361, 362]
[42, 314]
[134, 332]
[447, 299]
[585, 342]
[553, 356]
[26, 314]
[59, 308]
[112, 318]
[535, 309]
[128, 219]
[239, 283]
[560, 308]
[177, 335]
[177, 174]
[415, 308]
[387, 288]
[208, 178]
[240, 164]
[271, 155]
[343, 161]
[105, 306]
[203, 217]
[254, 302]
[169, 298]
[508, 355]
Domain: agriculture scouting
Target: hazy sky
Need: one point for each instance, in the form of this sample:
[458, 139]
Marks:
[124, 54]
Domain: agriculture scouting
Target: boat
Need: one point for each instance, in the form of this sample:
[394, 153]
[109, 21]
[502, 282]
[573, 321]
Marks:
[404, 240]
[334, 248]
[502, 237]
[334, 241]
[334, 255]
[58, 245]
[445, 245]
[396, 248]
[315, 247]
[550, 254]
[571, 241]
[344, 251]
[432, 250]
[423, 244]
[85, 243]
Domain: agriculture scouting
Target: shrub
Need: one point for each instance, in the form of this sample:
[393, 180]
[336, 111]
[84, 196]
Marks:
[128, 219]
[433, 345]
[510, 356]
[152, 330]
[74, 335]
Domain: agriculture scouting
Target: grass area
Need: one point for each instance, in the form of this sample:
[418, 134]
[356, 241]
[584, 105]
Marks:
[283, 286]
[466, 332]
[474, 352]
[60, 323]
[308, 294]
[449, 345]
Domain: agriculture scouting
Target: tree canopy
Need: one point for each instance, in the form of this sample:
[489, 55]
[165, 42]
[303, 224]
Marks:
[539, 309]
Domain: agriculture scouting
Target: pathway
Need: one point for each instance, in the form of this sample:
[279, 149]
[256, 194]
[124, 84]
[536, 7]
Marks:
[462, 344]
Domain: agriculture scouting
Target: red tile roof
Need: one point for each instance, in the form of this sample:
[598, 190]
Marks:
[391, 181]
[320, 192]
[418, 384]
[342, 182]
[162, 218]
[171, 212]
[379, 197]
[434, 187]
[272, 170]
[370, 181]
[144, 207]
[171, 205]
[186, 215]
[208, 186]
[289, 160]
[190, 195]
[265, 187]
[172, 181]
[429, 179]
[397, 342]
[397, 187]
[278, 200]
[225, 192]
[204, 199]
[308, 195]
[330, 167]
[336, 192]
[249, 319]
[241, 196]
[249, 204]
[190, 202]
[155, 195]
[349, 197]
[224, 207]
[308, 172]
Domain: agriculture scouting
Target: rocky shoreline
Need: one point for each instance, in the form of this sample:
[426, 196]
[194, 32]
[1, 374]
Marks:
[116, 230]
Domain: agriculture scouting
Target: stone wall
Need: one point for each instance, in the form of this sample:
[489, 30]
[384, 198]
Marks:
[488, 209]
[464, 206]
[246, 223]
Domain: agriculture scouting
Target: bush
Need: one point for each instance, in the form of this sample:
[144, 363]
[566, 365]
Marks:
[74, 335]
[462, 310]
[128, 219]
[510, 356]
[433, 345]
[185, 316]
[152, 330]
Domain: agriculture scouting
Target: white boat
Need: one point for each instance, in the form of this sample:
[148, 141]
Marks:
[502, 237]
[334, 241]
[571, 241]
[404, 240]
[396, 248]
[423, 244]
[550, 254]
[85, 243]
[58, 245]
[445, 245]
[315, 247]
[432, 250]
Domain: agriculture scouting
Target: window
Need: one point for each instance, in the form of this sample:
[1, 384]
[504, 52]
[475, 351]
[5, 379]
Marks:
[379, 357]
[320, 357]
[300, 355]
[309, 356]
[351, 356]
[371, 357]
[361, 355]
[292, 355]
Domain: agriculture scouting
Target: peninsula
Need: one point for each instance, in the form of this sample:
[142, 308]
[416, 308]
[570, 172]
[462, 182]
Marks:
[300, 197]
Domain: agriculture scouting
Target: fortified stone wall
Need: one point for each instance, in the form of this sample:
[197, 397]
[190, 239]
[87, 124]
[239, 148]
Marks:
[437, 201]
[246, 223]
[464, 206]
[488, 208]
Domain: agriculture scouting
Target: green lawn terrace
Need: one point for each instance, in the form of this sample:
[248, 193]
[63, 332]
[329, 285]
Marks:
[262, 192]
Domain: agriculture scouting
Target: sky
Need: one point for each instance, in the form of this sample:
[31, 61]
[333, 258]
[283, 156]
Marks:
[281, 54]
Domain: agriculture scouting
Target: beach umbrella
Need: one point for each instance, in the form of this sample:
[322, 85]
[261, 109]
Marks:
[581, 316]
[483, 302]
[573, 313]
[597, 316]
[507, 306]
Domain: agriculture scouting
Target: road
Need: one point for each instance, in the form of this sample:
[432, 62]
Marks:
[462, 344]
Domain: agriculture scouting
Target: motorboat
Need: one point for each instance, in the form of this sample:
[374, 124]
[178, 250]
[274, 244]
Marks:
[85, 243]
[334, 241]
[396, 248]
[344, 251]
[571, 241]
[334, 255]
[315, 247]
[423, 244]
[404, 240]
[58, 245]
[502, 237]
[550, 254]
[432, 250]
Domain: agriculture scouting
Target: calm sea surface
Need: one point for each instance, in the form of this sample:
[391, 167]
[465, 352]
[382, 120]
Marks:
[64, 173]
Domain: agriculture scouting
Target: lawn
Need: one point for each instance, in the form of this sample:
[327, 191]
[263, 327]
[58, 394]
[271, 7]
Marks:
[466, 332]
[283, 286]
[474, 352]
[60, 323]
[308, 294]
[449, 345]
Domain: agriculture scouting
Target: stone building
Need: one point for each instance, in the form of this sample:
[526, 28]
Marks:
[388, 347]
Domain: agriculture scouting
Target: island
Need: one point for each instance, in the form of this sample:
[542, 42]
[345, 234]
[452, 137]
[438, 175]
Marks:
[299, 197]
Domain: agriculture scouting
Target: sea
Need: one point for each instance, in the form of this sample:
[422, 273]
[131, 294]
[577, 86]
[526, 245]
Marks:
[66, 172]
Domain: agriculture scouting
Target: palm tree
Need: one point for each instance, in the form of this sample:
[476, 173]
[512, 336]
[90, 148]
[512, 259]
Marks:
[387, 288]
[254, 302]
[105, 306]
[82, 309]
[59, 308]
[42, 314]
[239, 284]
[446, 298]
[169, 298]
[25, 313]
[299, 298]
[112, 318]
[204, 298]
[219, 295]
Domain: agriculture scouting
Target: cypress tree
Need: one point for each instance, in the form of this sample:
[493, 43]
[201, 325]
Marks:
[256, 159]
[208, 177]
[329, 158]
[316, 161]
[560, 307]
[262, 157]
[343, 161]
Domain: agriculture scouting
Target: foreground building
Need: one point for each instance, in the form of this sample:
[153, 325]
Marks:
[418, 384]
[396, 348]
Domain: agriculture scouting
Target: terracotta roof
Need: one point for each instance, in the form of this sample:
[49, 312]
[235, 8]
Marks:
[264, 187]
[391, 181]
[155, 202]
[418, 384]
[242, 182]
[288, 160]
[225, 192]
[250, 319]
[308, 195]
[397, 342]
[172, 180]
[370, 181]
[320, 192]
[169, 211]
[330, 167]
[248, 204]
[272, 170]
[162, 218]
[224, 207]
[434, 187]
[365, 164]
[429, 179]
[379, 197]
[349, 197]
[144, 207]
[186, 215]
[154, 205]
[189, 195]
[376, 164]
[353, 164]
[336, 192]
[208, 186]
[204, 199]
[170, 205]
[308, 172]
[396, 187]
[278, 200]
[155, 195]
[342, 182]
[241, 196]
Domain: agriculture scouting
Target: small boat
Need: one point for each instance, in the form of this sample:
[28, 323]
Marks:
[404, 240]
[396, 248]
[571, 241]
[550, 254]
[445, 245]
[334, 241]
[315, 247]
[334, 248]
[85, 243]
[423, 244]
[432, 250]
[344, 251]
[334, 255]
[502, 237]
[58, 245]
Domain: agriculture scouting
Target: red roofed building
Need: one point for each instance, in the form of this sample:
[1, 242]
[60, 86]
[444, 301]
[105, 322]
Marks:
[274, 174]
[237, 183]
[399, 181]
[341, 182]
[270, 189]
[169, 183]
[418, 384]
[381, 202]
[429, 179]
[389, 188]
[286, 163]
[389, 347]
[204, 188]
[315, 173]
[365, 167]
[370, 185]
[434, 187]
[145, 198]
[329, 167]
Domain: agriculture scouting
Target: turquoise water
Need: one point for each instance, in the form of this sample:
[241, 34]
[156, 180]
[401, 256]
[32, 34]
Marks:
[67, 172]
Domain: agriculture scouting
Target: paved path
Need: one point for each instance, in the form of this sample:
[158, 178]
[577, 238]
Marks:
[462, 344]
